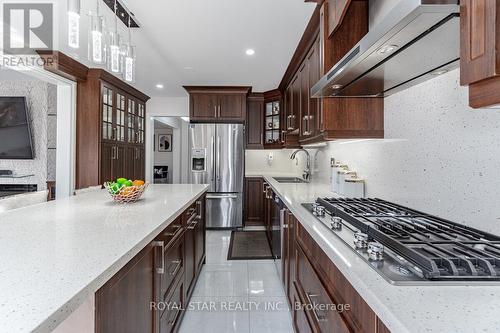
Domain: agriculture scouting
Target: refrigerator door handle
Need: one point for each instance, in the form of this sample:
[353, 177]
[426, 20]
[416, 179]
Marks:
[212, 158]
[222, 196]
[218, 160]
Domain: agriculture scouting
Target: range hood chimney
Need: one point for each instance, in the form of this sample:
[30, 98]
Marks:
[415, 41]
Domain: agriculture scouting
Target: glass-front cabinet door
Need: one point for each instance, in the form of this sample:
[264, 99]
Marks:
[120, 118]
[107, 114]
[131, 121]
[141, 122]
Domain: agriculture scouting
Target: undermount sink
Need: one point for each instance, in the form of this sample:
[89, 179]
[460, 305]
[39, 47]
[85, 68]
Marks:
[289, 180]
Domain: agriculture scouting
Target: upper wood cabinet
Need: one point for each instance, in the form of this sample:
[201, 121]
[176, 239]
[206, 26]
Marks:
[273, 120]
[336, 11]
[255, 121]
[335, 27]
[110, 130]
[217, 104]
[479, 51]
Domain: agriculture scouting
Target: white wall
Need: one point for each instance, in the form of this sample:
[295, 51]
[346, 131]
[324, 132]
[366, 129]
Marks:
[164, 158]
[439, 155]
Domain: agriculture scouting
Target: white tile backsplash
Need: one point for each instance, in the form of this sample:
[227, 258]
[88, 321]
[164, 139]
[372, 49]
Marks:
[439, 155]
[258, 162]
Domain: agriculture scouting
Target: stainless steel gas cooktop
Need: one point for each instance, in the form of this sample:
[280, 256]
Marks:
[408, 247]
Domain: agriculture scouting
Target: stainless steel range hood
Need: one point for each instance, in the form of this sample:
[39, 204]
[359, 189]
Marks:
[416, 40]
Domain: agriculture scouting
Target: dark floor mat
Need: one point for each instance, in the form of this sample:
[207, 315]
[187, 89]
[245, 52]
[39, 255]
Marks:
[249, 245]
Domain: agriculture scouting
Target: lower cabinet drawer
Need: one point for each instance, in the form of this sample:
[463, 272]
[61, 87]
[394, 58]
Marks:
[170, 318]
[172, 231]
[174, 265]
[300, 321]
[320, 307]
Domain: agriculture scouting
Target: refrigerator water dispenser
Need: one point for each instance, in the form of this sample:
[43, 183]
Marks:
[198, 159]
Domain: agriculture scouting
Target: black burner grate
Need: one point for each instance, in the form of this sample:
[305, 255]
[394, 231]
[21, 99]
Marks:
[442, 249]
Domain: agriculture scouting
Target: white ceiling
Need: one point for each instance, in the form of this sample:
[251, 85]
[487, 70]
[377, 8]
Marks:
[203, 42]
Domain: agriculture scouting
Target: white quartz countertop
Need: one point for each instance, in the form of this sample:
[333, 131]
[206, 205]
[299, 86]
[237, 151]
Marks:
[54, 255]
[418, 309]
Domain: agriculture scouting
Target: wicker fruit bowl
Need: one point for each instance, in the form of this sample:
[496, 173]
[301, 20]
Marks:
[125, 193]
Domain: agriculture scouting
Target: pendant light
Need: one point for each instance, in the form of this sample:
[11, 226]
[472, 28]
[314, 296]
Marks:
[74, 23]
[114, 53]
[96, 38]
[129, 57]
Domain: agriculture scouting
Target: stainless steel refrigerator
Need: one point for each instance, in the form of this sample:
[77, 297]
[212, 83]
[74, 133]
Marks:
[216, 157]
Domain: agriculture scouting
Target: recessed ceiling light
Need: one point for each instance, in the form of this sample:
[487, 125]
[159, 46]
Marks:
[439, 72]
[188, 68]
[159, 86]
[387, 49]
[250, 52]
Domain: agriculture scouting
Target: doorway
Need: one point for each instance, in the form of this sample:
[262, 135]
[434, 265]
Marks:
[169, 146]
[50, 112]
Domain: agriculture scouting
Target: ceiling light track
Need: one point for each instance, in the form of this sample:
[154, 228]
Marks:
[123, 13]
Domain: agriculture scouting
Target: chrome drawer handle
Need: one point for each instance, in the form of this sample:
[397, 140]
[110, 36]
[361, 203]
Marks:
[318, 318]
[172, 322]
[178, 263]
[161, 244]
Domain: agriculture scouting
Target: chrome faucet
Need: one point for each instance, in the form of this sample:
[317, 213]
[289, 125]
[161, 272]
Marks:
[307, 171]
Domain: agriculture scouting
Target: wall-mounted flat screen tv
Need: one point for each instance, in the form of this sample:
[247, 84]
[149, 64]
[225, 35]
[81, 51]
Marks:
[15, 135]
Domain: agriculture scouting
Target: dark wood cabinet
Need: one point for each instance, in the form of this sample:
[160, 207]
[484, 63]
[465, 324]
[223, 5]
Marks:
[173, 264]
[273, 120]
[123, 304]
[310, 278]
[311, 293]
[295, 105]
[110, 131]
[254, 201]
[200, 236]
[203, 106]
[170, 318]
[166, 271]
[336, 11]
[194, 244]
[268, 211]
[232, 107]
[288, 261]
[255, 121]
[479, 51]
[335, 27]
[217, 104]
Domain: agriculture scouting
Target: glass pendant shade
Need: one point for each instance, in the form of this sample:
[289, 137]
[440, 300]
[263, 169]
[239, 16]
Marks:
[97, 40]
[74, 23]
[129, 63]
[115, 53]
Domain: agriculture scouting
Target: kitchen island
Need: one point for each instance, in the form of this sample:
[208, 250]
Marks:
[422, 308]
[56, 255]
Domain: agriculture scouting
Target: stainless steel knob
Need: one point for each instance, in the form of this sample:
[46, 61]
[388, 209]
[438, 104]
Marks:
[320, 211]
[375, 251]
[336, 223]
[360, 240]
[314, 207]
